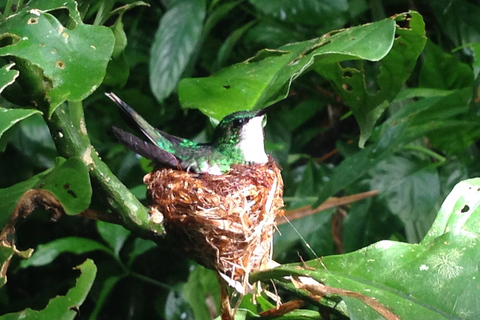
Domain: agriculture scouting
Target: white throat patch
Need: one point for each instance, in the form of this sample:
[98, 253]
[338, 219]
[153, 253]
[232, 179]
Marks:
[252, 144]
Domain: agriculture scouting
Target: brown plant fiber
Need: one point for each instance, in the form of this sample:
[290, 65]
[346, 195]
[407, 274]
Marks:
[225, 222]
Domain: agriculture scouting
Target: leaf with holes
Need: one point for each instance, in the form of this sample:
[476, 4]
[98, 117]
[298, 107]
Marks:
[73, 61]
[369, 96]
[266, 78]
[411, 281]
[63, 307]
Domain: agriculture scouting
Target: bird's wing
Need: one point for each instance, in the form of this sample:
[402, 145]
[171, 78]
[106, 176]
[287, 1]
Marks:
[146, 149]
[164, 140]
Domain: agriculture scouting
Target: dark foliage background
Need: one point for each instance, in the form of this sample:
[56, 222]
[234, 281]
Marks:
[310, 133]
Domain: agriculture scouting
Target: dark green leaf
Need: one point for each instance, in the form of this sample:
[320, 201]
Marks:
[175, 41]
[32, 138]
[410, 188]
[46, 253]
[113, 234]
[311, 12]
[443, 71]
[68, 182]
[355, 166]
[201, 283]
[457, 19]
[9, 117]
[107, 286]
[140, 246]
[62, 307]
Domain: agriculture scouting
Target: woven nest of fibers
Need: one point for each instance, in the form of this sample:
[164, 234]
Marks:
[225, 222]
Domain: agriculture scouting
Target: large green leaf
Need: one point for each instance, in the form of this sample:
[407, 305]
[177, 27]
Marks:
[175, 41]
[73, 60]
[265, 78]
[62, 307]
[414, 281]
[366, 100]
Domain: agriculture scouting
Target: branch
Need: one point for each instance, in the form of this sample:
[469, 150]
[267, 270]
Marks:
[67, 127]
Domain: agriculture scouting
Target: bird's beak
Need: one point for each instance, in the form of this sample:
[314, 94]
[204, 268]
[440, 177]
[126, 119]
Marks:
[263, 111]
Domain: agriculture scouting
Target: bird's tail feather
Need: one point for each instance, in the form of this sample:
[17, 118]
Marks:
[147, 129]
[146, 149]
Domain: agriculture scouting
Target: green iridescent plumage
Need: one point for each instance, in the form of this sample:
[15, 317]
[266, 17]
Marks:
[238, 139]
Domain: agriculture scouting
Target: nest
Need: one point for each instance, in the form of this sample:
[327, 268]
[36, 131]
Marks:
[224, 222]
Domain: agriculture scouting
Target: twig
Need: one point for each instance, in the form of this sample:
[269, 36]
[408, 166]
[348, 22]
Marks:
[329, 203]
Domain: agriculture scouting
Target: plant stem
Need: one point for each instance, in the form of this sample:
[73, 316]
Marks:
[67, 127]
[427, 151]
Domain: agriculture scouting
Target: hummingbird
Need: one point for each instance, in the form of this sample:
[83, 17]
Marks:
[237, 139]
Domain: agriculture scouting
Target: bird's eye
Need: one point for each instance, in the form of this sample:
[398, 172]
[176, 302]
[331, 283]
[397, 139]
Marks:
[238, 122]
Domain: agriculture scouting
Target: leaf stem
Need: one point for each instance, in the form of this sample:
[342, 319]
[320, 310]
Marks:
[150, 280]
[426, 151]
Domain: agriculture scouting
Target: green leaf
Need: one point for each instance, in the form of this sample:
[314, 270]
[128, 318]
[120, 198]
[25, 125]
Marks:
[459, 212]
[457, 19]
[265, 78]
[175, 42]
[7, 76]
[140, 246]
[46, 253]
[310, 12]
[202, 282]
[115, 235]
[73, 60]
[9, 117]
[32, 138]
[410, 188]
[69, 182]
[367, 102]
[107, 286]
[356, 165]
[443, 71]
[62, 307]
[415, 281]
